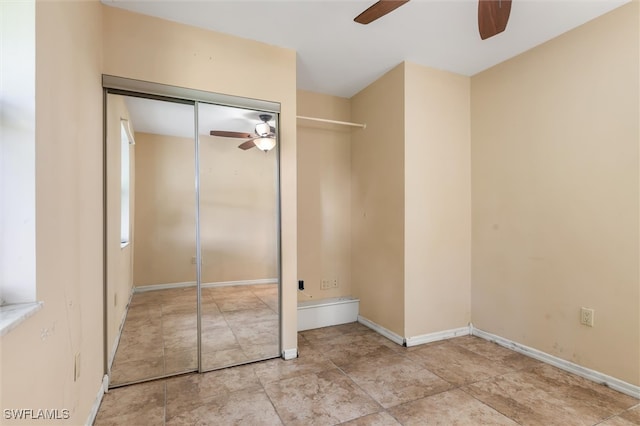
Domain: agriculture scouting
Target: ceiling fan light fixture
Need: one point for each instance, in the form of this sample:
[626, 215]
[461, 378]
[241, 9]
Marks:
[263, 129]
[265, 144]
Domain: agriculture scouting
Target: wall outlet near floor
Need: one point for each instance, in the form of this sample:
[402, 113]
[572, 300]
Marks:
[329, 284]
[586, 316]
[76, 367]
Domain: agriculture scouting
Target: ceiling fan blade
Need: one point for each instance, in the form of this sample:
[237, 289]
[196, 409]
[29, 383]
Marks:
[493, 16]
[247, 145]
[226, 134]
[378, 10]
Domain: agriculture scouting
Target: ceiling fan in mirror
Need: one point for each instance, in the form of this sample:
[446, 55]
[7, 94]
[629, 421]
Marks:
[493, 15]
[263, 136]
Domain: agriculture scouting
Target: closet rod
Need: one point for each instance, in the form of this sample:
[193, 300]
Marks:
[324, 120]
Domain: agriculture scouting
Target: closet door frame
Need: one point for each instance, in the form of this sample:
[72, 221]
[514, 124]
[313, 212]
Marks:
[139, 88]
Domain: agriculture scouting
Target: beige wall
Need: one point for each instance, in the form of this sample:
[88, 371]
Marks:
[237, 211]
[377, 206]
[165, 221]
[324, 196]
[437, 201]
[411, 212]
[146, 48]
[119, 266]
[555, 196]
[38, 356]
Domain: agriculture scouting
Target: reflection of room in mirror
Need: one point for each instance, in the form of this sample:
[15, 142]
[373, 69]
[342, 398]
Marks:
[235, 233]
[159, 337]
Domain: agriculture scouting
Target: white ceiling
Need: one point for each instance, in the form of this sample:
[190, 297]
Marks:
[175, 119]
[340, 57]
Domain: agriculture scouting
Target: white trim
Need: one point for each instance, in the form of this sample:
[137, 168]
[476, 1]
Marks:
[288, 354]
[149, 88]
[437, 336]
[595, 376]
[104, 388]
[381, 330]
[325, 120]
[154, 287]
[13, 314]
[241, 282]
[327, 312]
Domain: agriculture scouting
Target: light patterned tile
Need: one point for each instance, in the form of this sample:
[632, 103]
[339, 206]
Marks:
[132, 370]
[141, 404]
[223, 358]
[180, 361]
[377, 419]
[279, 369]
[350, 348]
[327, 397]
[243, 407]
[632, 414]
[239, 302]
[193, 390]
[393, 380]
[337, 331]
[456, 364]
[617, 421]
[547, 395]
[218, 339]
[501, 355]
[453, 407]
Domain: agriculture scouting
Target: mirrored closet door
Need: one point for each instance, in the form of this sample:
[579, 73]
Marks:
[191, 232]
[238, 236]
[151, 202]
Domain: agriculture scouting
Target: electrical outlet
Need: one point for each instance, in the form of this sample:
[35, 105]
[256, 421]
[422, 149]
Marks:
[325, 284]
[586, 316]
[76, 367]
[334, 283]
[193, 260]
[115, 299]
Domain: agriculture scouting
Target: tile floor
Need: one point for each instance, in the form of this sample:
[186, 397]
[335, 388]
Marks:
[239, 324]
[348, 374]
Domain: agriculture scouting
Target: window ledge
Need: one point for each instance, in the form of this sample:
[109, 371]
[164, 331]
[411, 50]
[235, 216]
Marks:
[13, 314]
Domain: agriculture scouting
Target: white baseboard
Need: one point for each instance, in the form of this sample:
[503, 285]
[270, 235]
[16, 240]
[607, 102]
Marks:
[327, 312]
[154, 287]
[437, 336]
[288, 354]
[381, 330]
[415, 340]
[595, 376]
[104, 387]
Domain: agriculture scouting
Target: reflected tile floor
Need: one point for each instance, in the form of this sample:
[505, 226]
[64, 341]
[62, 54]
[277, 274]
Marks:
[159, 337]
[350, 375]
